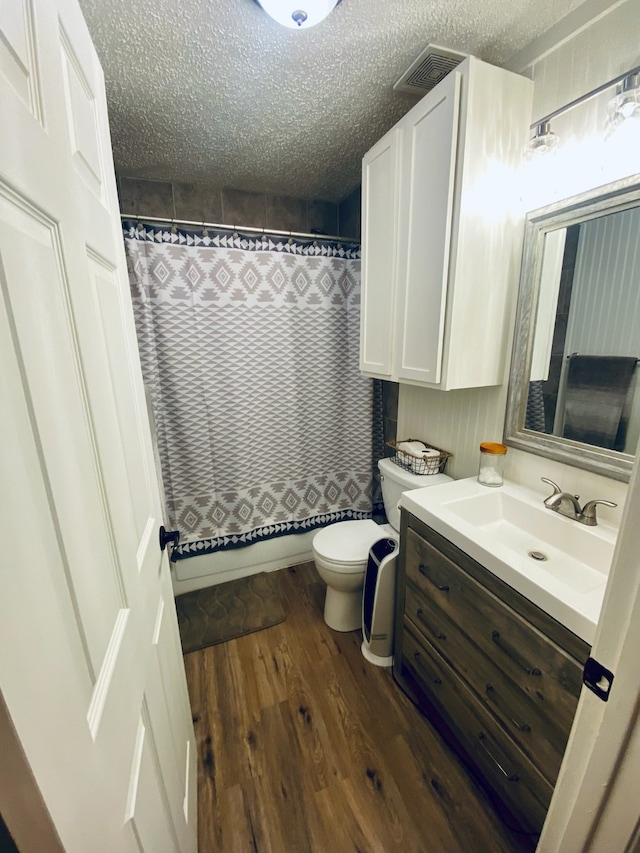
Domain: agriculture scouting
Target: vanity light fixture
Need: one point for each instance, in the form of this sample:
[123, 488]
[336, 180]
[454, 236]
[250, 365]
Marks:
[298, 14]
[543, 141]
[625, 105]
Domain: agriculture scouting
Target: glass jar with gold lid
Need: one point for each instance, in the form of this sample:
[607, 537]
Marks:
[491, 467]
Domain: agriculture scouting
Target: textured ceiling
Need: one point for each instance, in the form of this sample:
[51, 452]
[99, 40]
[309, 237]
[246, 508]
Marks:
[214, 91]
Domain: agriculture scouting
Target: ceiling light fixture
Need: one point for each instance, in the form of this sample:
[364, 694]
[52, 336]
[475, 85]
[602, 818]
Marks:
[543, 141]
[298, 14]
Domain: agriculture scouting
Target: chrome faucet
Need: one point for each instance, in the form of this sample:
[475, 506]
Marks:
[567, 505]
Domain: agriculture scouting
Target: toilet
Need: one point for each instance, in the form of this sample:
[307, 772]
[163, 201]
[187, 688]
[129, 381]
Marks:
[340, 551]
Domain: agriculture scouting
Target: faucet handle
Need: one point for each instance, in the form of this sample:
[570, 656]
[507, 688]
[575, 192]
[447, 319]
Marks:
[589, 511]
[556, 488]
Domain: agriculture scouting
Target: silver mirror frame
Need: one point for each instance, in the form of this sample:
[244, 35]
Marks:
[610, 198]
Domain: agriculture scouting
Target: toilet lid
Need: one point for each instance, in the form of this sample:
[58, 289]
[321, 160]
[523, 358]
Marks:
[347, 541]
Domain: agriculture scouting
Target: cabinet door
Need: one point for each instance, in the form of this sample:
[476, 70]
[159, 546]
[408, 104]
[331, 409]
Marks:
[380, 170]
[430, 136]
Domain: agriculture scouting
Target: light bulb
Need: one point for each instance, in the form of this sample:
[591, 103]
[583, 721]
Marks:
[625, 105]
[542, 143]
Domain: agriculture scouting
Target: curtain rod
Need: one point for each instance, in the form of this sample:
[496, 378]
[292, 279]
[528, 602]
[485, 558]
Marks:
[217, 227]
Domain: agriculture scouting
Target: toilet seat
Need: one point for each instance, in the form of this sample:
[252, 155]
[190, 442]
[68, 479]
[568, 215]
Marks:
[344, 546]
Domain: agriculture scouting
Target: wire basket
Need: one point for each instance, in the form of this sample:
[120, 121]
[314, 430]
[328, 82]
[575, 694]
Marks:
[419, 464]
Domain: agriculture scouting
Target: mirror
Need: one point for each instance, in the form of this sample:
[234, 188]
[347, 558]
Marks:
[574, 386]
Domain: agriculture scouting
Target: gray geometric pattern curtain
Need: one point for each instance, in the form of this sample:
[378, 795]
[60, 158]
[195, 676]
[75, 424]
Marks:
[249, 348]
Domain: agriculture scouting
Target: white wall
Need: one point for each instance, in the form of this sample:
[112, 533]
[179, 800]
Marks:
[593, 44]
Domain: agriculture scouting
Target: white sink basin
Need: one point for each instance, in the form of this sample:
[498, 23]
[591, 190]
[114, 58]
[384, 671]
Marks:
[559, 564]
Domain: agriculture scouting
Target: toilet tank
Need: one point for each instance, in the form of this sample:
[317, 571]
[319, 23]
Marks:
[396, 480]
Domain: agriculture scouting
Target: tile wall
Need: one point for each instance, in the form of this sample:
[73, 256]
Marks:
[390, 413]
[200, 203]
[349, 215]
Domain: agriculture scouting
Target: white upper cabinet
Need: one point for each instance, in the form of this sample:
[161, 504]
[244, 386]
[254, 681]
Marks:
[441, 232]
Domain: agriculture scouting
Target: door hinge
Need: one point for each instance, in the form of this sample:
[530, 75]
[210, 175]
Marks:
[598, 679]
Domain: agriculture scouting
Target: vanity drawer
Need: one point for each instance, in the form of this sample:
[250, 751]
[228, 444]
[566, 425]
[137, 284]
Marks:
[507, 770]
[550, 677]
[542, 739]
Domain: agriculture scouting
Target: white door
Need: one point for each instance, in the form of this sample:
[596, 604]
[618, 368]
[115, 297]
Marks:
[430, 132]
[91, 672]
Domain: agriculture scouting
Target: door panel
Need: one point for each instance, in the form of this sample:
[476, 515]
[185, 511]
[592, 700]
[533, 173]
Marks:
[149, 814]
[31, 252]
[426, 206]
[17, 61]
[380, 175]
[81, 110]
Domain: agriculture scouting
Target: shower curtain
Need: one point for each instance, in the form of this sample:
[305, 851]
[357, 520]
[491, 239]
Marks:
[249, 349]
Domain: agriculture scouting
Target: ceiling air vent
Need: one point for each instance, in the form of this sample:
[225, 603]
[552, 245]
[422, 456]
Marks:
[428, 70]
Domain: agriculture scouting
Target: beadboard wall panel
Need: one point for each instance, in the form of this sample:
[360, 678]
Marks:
[562, 70]
[597, 53]
[605, 320]
[456, 421]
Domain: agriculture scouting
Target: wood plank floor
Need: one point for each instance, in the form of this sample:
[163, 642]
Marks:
[304, 746]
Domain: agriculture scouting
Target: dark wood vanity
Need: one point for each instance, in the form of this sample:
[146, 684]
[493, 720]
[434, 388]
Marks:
[495, 674]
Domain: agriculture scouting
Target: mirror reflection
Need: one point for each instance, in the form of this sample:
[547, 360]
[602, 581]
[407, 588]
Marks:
[583, 380]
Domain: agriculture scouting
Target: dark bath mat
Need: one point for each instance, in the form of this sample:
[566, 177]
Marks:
[228, 610]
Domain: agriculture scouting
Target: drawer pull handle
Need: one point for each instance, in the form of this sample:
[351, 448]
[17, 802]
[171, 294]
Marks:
[437, 634]
[522, 727]
[442, 587]
[433, 680]
[511, 777]
[495, 636]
